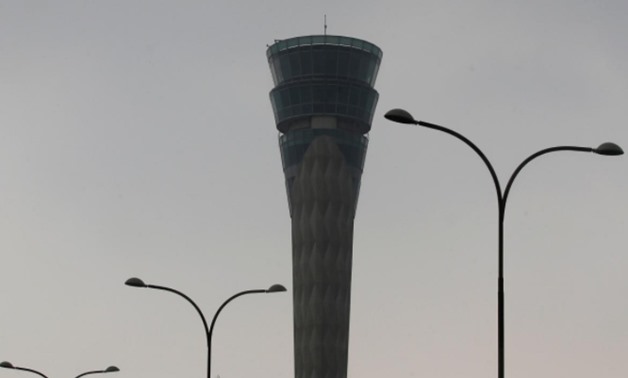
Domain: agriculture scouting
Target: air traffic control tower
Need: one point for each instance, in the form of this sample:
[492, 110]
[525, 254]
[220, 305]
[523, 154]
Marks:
[323, 103]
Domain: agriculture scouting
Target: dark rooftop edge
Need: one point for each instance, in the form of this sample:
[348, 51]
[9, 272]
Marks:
[313, 40]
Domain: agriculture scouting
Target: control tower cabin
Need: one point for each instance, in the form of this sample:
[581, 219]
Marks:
[323, 102]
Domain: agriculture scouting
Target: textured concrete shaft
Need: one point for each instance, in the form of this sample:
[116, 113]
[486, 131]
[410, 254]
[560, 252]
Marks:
[323, 208]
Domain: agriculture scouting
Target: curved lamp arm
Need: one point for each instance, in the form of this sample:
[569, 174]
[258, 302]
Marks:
[110, 369]
[211, 327]
[534, 156]
[402, 116]
[605, 149]
[136, 282]
[477, 151]
[276, 288]
[8, 365]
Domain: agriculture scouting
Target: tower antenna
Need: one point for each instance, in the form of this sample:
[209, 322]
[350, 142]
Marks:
[325, 24]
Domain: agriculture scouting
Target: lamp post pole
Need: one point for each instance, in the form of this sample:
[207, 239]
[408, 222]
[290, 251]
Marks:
[136, 282]
[608, 149]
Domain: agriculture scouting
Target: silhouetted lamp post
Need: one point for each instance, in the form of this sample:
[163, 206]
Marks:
[607, 149]
[8, 365]
[276, 288]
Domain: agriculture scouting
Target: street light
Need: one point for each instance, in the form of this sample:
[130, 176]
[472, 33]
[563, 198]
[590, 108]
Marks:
[136, 282]
[607, 149]
[8, 365]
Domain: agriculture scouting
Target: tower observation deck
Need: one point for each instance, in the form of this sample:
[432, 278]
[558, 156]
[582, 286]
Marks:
[323, 101]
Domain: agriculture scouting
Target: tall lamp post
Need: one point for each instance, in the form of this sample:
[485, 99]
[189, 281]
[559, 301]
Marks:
[276, 288]
[607, 149]
[8, 365]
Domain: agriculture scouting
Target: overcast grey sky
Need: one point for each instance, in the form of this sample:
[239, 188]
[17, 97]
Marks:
[138, 140]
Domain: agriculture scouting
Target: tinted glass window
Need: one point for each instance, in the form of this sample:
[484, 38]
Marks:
[343, 64]
[306, 61]
[295, 64]
[285, 67]
[295, 95]
[330, 63]
[318, 62]
[333, 98]
[306, 93]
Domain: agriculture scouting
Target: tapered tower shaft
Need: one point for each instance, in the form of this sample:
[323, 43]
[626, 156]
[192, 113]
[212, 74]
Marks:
[323, 102]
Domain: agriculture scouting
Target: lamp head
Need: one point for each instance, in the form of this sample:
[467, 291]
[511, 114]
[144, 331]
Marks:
[135, 282]
[111, 369]
[7, 364]
[609, 149]
[400, 116]
[276, 288]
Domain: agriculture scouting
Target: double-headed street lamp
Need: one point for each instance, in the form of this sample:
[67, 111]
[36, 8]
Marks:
[8, 365]
[607, 149]
[276, 288]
